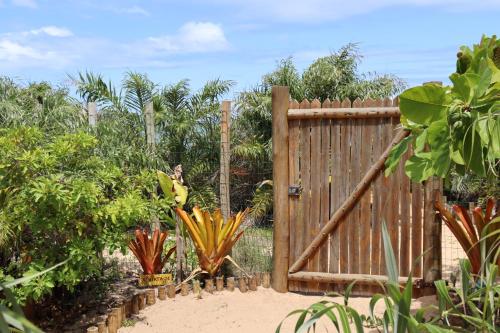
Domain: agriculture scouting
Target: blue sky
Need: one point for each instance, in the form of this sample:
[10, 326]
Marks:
[234, 39]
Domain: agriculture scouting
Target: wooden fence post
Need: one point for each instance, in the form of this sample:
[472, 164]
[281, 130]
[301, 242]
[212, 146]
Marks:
[280, 104]
[432, 231]
[150, 126]
[92, 113]
[432, 259]
[224, 159]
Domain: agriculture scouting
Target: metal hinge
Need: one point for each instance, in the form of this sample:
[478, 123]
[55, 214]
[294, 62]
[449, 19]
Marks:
[294, 190]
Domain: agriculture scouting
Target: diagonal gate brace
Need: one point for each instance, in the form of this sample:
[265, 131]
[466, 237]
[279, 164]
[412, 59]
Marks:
[347, 204]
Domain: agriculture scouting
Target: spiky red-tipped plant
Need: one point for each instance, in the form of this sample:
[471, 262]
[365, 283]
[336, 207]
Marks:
[149, 250]
[481, 230]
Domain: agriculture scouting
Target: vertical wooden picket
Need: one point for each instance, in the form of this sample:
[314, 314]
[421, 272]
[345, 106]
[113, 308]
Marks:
[294, 180]
[325, 183]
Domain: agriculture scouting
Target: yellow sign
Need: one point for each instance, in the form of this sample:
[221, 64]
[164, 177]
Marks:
[154, 280]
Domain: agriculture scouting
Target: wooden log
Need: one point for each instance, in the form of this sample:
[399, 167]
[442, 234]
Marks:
[142, 300]
[230, 283]
[184, 289]
[196, 287]
[135, 304]
[325, 177]
[432, 231]
[280, 100]
[112, 321]
[92, 329]
[258, 277]
[171, 290]
[224, 159]
[119, 315]
[347, 205]
[341, 278]
[336, 189]
[209, 285]
[219, 283]
[242, 284]
[101, 327]
[345, 166]
[344, 113]
[266, 280]
[252, 283]
[294, 179]
[118, 318]
[315, 203]
[150, 297]
[303, 224]
[127, 308]
[162, 293]
[416, 229]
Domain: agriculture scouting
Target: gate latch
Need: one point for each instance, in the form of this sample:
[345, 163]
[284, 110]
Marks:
[294, 190]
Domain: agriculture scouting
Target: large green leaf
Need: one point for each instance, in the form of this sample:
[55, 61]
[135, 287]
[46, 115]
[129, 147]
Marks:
[390, 259]
[439, 140]
[395, 155]
[181, 193]
[462, 87]
[473, 151]
[166, 184]
[419, 167]
[424, 104]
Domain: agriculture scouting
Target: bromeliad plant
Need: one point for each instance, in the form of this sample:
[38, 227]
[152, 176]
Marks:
[212, 238]
[478, 235]
[149, 250]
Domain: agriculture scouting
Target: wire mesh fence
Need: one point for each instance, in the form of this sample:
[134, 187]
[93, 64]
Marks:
[254, 251]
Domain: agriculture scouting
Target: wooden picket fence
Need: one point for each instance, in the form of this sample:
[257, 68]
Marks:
[331, 197]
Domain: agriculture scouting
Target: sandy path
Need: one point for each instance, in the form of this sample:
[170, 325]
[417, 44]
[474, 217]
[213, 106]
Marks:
[225, 312]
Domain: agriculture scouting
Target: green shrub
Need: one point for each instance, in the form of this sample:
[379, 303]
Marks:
[58, 201]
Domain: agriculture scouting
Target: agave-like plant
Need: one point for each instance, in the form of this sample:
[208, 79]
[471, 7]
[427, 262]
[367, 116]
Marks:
[474, 232]
[149, 250]
[212, 238]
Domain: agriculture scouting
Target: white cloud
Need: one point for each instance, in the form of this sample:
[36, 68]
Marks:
[134, 10]
[25, 3]
[12, 51]
[193, 37]
[44, 47]
[52, 31]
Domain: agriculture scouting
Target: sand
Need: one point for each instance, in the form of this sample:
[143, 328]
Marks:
[225, 312]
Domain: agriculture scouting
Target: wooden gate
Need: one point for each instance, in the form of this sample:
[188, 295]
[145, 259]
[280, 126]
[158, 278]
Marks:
[331, 196]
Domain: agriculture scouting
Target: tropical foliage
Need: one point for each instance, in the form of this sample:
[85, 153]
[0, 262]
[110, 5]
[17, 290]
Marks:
[60, 201]
[212, 238]
[460, 124]
[12, 319]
